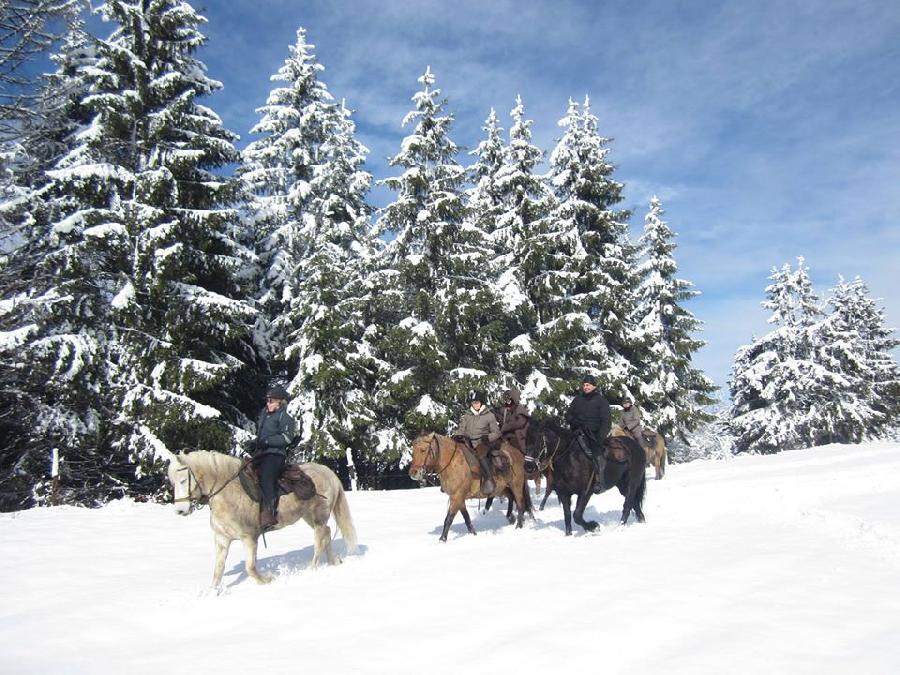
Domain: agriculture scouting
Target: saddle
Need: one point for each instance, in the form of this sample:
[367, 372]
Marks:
[292, 480]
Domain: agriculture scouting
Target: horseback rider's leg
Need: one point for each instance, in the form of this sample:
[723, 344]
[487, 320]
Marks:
[269, 467]
[487, 477]
[598, 457]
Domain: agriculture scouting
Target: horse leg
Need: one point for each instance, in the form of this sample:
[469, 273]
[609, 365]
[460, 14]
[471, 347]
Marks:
[580, 506]
[250, 545]
[223, 543]
[322, 542]
[488, 503]
[566, 501]
[451, 514]
[465, 515]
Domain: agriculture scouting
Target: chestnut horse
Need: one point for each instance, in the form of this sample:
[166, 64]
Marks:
[441, 455]
[656, 454]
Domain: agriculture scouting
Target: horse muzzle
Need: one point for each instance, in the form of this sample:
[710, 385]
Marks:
[417, 473]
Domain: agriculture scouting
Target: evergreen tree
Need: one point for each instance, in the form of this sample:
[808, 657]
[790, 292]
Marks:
[439, 326]
[138, 331]
[577, 267]
[312, 228]
[854, 342]
[672, 392]
[778, 387]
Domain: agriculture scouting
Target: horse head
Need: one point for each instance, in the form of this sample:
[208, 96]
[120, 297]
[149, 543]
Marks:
[425, 450]
[185, 487]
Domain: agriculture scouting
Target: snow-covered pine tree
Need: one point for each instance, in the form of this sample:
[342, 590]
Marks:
[854, 342]
[439, 327]
[525, 200]
[311, 219]
[578, 272]
[671, 392]
[141, 332]
[778, 387]
[278, 170]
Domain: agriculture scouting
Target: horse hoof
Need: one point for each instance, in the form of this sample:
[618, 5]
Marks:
[444, 539]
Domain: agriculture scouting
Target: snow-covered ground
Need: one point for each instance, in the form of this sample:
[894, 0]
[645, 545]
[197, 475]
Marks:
[780, 564]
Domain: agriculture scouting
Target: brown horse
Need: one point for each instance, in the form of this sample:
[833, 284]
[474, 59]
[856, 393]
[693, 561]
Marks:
[656, 454]
[441, 455]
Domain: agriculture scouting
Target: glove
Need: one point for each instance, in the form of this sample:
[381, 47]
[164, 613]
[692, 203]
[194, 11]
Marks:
[459, 438]
[484, 439]
[261, 444]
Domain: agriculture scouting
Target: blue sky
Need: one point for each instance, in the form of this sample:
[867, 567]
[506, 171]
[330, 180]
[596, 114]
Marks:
[769, 129]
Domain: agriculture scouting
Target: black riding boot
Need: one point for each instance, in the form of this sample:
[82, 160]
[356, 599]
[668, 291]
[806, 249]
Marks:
[487, 481]
[599, 467]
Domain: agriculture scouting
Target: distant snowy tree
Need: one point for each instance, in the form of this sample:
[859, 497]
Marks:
[439, 326]
[854, 342]
[671, 392]
[578, 270]
[779, 388]
[311, 220]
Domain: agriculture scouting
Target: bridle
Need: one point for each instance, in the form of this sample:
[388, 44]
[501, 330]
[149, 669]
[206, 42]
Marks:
[434, 452]
[204, 499]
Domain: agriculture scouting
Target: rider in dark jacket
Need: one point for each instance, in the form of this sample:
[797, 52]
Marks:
[589, 415]
[274, 432]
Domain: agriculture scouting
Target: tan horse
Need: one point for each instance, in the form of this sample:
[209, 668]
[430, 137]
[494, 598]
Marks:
[441, 455]
[656, 455]
[202, 477]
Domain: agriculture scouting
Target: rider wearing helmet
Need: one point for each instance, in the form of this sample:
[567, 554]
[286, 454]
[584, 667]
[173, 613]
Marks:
[275, 430]
[479, 428]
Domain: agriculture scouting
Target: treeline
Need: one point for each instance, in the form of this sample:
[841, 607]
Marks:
[148, 298]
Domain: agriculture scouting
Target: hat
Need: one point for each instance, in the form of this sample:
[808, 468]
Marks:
[478, 396]
[278, 392]
[589, 379]
[627, 399]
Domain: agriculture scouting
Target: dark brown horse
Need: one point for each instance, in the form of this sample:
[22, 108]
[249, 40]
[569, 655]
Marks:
[573, 474]
[444, 457]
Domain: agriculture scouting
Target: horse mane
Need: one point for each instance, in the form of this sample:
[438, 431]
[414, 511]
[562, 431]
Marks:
[207, 459]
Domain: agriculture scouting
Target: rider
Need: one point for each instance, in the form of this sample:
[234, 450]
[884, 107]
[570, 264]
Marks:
[590, 416]
[631, 420]
[513, 419]
[479, 428]
[274, 432]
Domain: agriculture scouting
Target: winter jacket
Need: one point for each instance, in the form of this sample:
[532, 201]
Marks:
[475, 424]
[514, 419]
[590, 413]
[631, 421]
[275, 430]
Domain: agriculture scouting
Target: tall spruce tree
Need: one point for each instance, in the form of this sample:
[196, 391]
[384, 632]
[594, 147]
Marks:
[778, 386]
[578, 269]
[439, 325]
[854, 342]
[139, 329]
[311, 222]
[671, 391]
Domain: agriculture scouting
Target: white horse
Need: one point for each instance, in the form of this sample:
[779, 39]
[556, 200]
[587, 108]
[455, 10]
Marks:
[212, 477]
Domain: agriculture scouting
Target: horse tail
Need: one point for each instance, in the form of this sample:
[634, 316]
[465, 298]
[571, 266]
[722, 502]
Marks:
[344, 519]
